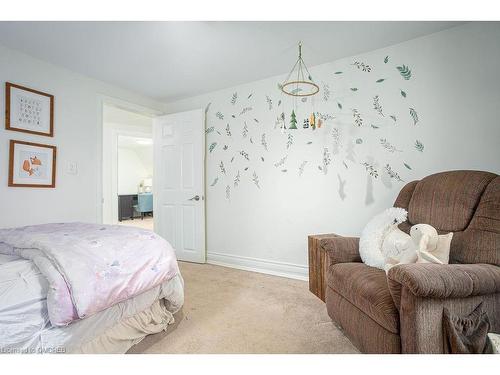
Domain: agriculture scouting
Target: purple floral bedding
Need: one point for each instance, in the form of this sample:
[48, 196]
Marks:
[91, 267]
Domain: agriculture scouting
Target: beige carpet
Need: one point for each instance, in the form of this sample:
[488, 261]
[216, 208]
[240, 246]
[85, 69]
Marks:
[232, 311]
[146, 223]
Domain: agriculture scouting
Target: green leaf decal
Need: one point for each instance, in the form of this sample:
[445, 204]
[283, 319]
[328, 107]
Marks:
[380, 80]
[354, 89]
[414, 116]
[375, 127]
[212, 147]
[215, 181]
[404, 71]
[386, 60]
[403, 94]
[419, 146]
[407, 166]
[393, 118]
[337, 73]
[339, 105]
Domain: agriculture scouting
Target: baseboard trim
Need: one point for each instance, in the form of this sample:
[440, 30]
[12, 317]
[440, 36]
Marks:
[270, 267]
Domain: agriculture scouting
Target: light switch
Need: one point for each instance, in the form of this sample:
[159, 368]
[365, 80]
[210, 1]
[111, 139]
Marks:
[72, 168]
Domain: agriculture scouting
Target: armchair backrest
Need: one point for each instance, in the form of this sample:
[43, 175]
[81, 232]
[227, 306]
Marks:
[464, 202]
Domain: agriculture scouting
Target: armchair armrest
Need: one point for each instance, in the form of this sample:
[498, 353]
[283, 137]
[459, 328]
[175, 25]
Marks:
[421, 292]
[341, 249]
[444, 280]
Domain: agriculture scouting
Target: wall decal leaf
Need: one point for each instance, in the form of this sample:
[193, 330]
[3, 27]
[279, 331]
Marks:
[289, 142]
[392, 173]
[419, 146]
[354, 89]
[209, 130]
[281, 162]
[249, 96]
[370, 168]
[393, 118]
[362, 66]
[245, 130]
[212, 147]
[237, 180]
[222, 168]
[337, 73]
[386, 60]
[215, 181]
[255, 180]
[377, 106]
[269, 102]
[263, 141]
[339, 105]
[403, 94]
[326, 92]
[357, 117]
[380, 80]
[404, 71]
[245, 110]
[375, 126]
[245, 155]
[234, 98]
[302, 166]
[407, 166]
[388, 146]
[414, 116]
[219, 115]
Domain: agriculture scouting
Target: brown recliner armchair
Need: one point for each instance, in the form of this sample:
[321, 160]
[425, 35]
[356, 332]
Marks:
[403, 311]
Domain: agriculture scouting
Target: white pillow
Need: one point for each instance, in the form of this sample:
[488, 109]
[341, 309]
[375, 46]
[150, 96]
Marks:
[370, 242]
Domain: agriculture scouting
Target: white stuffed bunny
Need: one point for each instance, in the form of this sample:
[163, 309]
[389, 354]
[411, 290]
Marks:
[432, 248]
[423, 245]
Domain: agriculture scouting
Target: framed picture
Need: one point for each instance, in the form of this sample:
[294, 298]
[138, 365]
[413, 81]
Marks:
[28, 110]
[32, 165]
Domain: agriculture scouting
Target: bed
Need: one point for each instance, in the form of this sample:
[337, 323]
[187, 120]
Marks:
[84, 288]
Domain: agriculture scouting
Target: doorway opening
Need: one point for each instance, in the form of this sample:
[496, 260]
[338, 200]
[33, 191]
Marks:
[127, 167]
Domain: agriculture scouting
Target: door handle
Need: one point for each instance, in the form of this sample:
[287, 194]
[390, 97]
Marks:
[195, 198]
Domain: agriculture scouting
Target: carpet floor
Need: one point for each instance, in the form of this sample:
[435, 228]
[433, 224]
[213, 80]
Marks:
[232, 311]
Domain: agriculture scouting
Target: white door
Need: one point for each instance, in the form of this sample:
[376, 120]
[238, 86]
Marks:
[179, 182]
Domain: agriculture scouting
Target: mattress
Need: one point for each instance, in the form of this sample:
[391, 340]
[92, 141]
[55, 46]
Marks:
[24, 322]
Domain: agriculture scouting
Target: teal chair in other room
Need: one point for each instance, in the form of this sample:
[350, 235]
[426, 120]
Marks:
[144, 204]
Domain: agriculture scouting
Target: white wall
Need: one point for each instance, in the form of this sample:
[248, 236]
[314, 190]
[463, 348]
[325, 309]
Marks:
[133, 167]
[78, 132]
[454, 89]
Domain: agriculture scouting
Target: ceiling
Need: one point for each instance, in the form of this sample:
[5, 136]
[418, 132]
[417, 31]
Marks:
[173, 60]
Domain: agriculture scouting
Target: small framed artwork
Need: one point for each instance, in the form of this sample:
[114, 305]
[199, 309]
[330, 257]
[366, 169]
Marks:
[32, 165]
[28, 110]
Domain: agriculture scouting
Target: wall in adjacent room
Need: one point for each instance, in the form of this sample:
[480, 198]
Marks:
[78, 135]
[131, 170]
[388, 117]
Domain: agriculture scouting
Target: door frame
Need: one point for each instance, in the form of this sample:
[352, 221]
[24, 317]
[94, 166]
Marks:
[102, 101]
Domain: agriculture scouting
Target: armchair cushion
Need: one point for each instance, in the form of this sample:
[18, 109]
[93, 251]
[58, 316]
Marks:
[341, 249]
[444, 280]
[366, 288]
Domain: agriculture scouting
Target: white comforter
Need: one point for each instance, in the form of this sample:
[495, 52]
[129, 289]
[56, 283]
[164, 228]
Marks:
[91, 267]
[24, 320]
